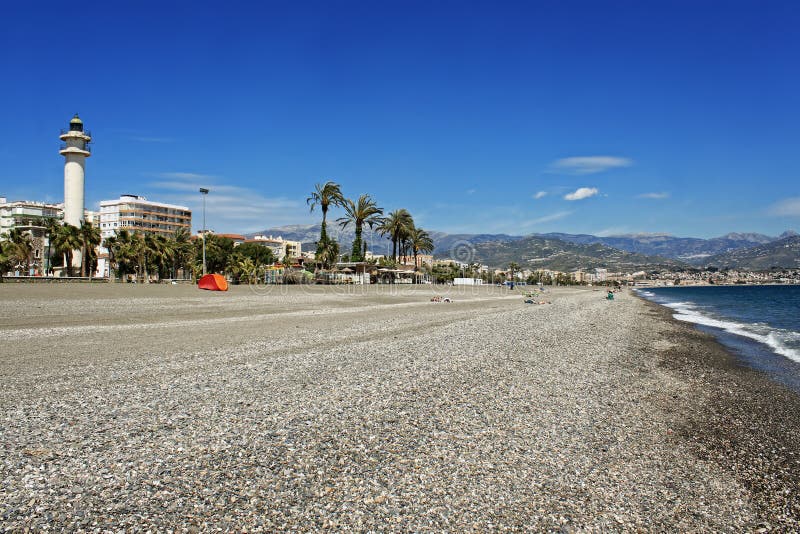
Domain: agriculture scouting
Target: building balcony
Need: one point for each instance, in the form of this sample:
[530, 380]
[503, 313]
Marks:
[67, 131]
[65, 148]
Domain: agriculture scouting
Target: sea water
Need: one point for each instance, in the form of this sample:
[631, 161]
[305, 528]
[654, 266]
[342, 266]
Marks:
[760, 324]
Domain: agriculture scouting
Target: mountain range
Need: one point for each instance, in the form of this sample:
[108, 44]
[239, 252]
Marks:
[561, 251]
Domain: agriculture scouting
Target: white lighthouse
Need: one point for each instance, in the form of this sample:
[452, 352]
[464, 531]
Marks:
[75, 149]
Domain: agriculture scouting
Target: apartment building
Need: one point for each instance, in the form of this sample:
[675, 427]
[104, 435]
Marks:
[31, 217]
[280, 247]
[137, 214]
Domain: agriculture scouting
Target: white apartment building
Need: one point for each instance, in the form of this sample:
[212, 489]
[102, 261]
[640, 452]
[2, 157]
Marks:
[31, 217]
[279, 246]
[137, 214]
[27, 215]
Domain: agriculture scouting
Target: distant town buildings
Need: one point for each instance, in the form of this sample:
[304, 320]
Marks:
[281, 248]
[422, 259]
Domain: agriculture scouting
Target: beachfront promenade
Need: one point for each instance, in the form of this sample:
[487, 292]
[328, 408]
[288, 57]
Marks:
[374, 409]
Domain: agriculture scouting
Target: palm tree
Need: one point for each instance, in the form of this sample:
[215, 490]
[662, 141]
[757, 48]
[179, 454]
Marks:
[325, 195]
[21, 247]
[357, 214]
[66, 241]
[513, 267]
[155, 253]
[328, 254]
[5, 261]
[110, 244]
[397, 226]
[90, 239]
[243, 268]
[51, 227]
[160, 253]
[181, 251]
[420, 241]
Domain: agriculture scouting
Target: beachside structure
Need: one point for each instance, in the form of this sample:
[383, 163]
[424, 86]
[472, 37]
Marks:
[31, 217]
[422, 259]
[75, 149]
[467, 282]
[281, 248]
[137, 214]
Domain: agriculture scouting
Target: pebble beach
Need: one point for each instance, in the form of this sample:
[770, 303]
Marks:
[371, 408]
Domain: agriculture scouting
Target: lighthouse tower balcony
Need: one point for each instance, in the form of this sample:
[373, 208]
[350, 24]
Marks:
[75, 140]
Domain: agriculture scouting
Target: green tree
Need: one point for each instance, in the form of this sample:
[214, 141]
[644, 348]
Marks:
[5, 261]
[21, 248]
[124, 252]
[364, 211]
[218, 252]
[182, 251]
[66, 241]
[328, 255]
[159, 254]
[325, 195]
[90, 239]
[513, 267]
[51, 228]
[420, 242]
[110, 244]
[258, 254]
[242, 268]
[397, 225]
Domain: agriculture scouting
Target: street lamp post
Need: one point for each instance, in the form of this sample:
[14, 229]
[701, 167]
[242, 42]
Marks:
[204, 192]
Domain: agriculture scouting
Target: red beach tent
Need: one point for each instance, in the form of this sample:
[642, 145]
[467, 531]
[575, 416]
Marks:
[213, 282]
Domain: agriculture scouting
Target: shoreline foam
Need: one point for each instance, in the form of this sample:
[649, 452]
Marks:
[749, 424]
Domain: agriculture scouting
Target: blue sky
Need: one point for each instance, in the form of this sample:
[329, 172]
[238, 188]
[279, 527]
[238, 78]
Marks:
[583, 117]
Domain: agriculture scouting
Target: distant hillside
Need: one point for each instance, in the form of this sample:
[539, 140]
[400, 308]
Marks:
[446, 245]
[536, 252]
[735, 250]
[783, 253]
[689, 249]
[308, 234]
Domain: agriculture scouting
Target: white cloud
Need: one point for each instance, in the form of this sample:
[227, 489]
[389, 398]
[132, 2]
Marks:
[589, 164]
[655, 196]
[146, 139]
[471, 191]
[230, 208]
[540, 194]
[612, 231]
[789, 207]
[185, 176]
[193, 187]
[581, 193]
[548, 218]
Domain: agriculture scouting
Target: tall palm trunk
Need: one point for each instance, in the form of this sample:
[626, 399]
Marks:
[49, 257]
[356, 253]
[323, 235]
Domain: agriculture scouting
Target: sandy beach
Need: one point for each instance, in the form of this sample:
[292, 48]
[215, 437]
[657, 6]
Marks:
[372, 408]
